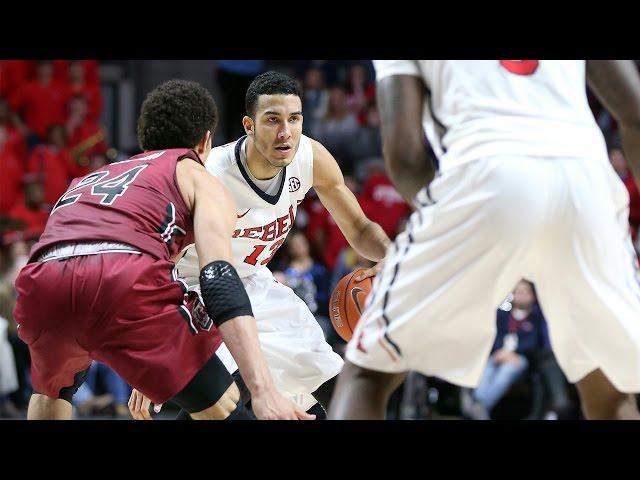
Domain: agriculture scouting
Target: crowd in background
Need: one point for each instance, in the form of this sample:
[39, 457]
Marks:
[50, 133]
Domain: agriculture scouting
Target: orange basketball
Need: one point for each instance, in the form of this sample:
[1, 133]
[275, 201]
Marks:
[347, 302]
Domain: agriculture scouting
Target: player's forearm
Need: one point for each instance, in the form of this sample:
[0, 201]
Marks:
[240, 335]
[371, 242]
[400, 103]
[630, 136]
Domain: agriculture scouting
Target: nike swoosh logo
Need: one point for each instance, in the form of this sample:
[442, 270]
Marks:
[240, 216]
[354, 294]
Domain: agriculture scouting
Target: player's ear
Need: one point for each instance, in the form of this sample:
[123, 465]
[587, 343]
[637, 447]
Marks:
[247, 123]
[205, 143]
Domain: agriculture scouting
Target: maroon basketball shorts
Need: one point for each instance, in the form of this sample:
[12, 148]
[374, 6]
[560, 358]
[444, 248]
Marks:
[126, 310]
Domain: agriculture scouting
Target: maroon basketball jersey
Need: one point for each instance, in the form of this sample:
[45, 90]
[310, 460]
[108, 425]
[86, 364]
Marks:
[136, 201]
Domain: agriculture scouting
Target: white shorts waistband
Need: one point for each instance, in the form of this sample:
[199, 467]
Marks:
[66, 250]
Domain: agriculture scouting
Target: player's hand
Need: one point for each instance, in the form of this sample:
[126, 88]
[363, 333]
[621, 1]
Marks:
[371, 272]
[271, 405]
[139, 406]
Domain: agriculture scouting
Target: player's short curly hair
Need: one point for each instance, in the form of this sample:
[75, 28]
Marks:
[176, 114]
[269, 83]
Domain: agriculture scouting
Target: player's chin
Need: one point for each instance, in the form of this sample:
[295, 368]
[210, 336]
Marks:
[281, 160]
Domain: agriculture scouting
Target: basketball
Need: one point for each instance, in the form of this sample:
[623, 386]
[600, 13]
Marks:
[347, 302]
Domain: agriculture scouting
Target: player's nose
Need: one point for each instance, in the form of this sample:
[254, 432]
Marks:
[284, 133]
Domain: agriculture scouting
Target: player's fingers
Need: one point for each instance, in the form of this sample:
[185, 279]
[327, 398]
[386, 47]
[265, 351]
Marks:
[133, 401]
[302, 415]
[138, 406]
[369, 272]
[158, 407]
[146, 403]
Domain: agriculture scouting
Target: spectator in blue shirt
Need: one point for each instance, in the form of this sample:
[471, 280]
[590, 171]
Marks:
[519, 333]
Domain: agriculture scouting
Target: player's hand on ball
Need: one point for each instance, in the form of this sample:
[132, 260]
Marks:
[271, 405]
[139, 406]
[371, 272]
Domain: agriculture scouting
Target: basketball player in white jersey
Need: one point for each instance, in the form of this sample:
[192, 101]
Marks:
[268, 172]
[520, 186]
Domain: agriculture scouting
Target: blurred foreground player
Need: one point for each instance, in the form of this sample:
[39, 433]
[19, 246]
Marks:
[520, 186]
[100, 284]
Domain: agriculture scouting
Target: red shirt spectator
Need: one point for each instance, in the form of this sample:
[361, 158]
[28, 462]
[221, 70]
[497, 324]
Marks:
[619, 163]
[76, 84]
[13, 74]
[86, 137]
[383, 204]
[40, 101]
[53, 165]
[15, 141]
[360, 93]
[90, 68]
[323, 233]
[31, 211]
[14, 138]
[11, 173]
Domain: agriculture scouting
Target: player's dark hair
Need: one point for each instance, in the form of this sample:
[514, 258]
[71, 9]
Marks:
[176, 114]
[269, 83]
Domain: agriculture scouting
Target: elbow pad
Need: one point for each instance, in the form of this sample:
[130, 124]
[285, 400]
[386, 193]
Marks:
[223, 293]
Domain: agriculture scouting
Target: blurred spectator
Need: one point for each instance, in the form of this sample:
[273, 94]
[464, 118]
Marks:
[96, 161]
[14, 137]
[40, 103]
[234, 78]
[315, 100]
[8, 374]
[12, 169]
[332, 70]
[308, 279]
[619, 163]
[519, 333]
[52, 164]
[18, 256]
[360, 92]
[86, 137]
[13, 73]
[366, 145]
[89, 68]
[323, 232]
[558, 405]
[15, 257]
[87, 403]
[381, 202]
[32, 212]
[76, 84]
[116, 392]
[337, 128]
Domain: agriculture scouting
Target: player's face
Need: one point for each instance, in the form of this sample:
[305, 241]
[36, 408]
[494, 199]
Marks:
[277, 128]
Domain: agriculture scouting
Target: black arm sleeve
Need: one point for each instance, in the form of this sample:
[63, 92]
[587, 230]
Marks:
[223, 292]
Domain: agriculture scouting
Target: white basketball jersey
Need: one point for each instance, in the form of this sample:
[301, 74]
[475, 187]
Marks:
[263, 220]
[480, 108]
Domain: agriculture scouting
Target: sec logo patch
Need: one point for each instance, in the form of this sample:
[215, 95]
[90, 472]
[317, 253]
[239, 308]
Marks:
[294, 184]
